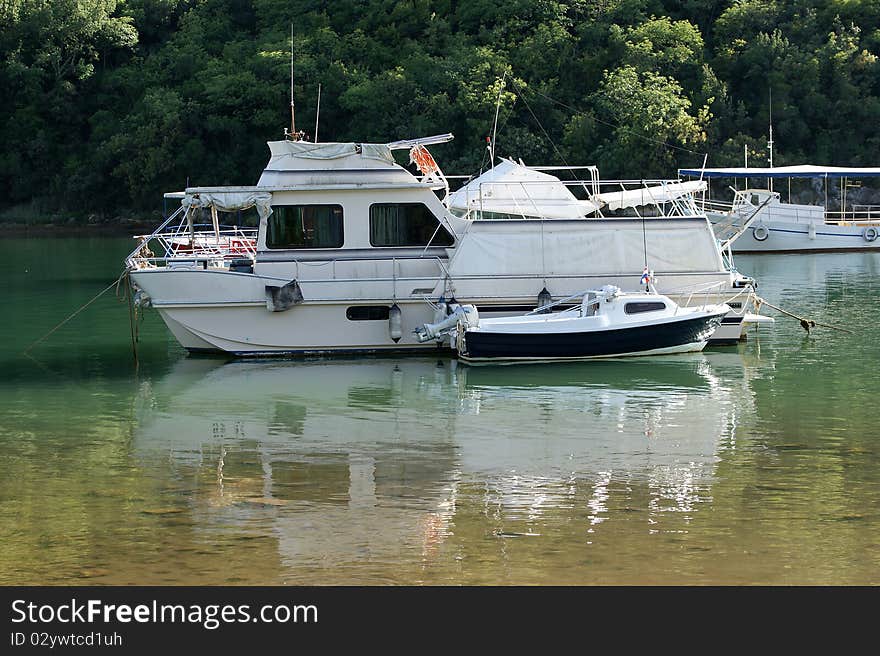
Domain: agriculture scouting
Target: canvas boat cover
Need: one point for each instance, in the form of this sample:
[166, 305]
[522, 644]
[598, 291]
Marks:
[229, 201]
[306, 163]
[650, 195]
[511, 188]
[612, 246]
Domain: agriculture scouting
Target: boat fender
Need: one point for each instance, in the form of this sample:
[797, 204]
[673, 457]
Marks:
[394, 323]
[870, 233]
[760, 233]
[470, 317]
[279, 299]
[544, 299]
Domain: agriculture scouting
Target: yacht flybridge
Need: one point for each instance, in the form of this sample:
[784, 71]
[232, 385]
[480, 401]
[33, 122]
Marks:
[351, 252]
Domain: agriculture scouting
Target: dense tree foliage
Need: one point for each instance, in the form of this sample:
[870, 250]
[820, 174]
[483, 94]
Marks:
[108, 103]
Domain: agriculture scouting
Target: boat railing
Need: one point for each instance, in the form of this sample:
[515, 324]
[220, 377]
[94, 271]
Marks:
[717, 206]
[198, 243]
[805, 214]
[742, 208]
[536, 199]
[306, 269]
[855, 215]
[706, 292]
[658, 197]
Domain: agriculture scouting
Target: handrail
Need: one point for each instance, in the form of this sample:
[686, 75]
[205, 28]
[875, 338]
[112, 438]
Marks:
[155, 232]
[183, 243]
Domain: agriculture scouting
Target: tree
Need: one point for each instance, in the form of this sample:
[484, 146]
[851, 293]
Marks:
[651, 122]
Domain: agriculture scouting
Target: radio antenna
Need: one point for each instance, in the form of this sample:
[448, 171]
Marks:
[292, 133]
[495, 122]
[318, 112]
[770, 143]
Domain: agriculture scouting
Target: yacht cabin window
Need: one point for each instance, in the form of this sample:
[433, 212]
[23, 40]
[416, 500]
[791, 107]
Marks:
[406, 224]
[304, 226]
[368, 313]
[643, 306]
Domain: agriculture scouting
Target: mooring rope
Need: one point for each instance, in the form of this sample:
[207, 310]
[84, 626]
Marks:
[71, 316]
[133, 324]
[806, 324]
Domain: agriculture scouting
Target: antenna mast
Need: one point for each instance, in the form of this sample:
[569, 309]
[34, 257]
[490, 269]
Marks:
[318, 112]
[495, 123]
[770, 143]
[292, 134]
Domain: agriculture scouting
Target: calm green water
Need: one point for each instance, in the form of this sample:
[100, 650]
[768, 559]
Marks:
[750, 464]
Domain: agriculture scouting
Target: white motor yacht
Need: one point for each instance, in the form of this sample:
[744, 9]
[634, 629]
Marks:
[352, 252]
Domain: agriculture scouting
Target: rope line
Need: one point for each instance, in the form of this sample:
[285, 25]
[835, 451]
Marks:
[552, 143]
[71, 316]
[615, 126]
[806, 324]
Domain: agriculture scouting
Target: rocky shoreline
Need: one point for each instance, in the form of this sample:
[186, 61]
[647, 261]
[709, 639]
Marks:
[76, 229]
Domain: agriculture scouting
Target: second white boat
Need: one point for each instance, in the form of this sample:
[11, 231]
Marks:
[607, 323]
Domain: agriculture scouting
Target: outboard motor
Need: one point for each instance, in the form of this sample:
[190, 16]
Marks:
[466, 315]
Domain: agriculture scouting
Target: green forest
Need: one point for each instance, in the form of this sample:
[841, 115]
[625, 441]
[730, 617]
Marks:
[109, 103]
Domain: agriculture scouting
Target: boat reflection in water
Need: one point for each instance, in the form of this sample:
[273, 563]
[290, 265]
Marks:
[384, 460]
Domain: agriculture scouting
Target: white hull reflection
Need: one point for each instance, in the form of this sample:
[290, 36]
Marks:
[331, 450]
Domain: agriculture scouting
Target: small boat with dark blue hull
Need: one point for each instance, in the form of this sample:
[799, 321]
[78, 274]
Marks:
[607, 323]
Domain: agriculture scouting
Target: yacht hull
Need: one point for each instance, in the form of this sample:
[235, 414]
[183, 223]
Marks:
[774, 236]
[794, 238]
[226, 312]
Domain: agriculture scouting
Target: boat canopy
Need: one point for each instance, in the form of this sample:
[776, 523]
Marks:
[650, 195]
[799, 171]
[598, 247]
[229, 201]
[304, 163]
[515, 189]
